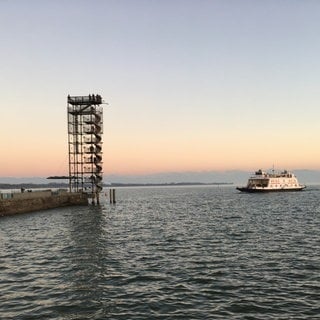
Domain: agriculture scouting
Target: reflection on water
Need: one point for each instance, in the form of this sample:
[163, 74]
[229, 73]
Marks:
[165, 253]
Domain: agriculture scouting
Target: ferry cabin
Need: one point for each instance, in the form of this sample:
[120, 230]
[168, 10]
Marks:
[276, 181]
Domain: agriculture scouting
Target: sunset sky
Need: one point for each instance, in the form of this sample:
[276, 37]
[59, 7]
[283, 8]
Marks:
[192, 85]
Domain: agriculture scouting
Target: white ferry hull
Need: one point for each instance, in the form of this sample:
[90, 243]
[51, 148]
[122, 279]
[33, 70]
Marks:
[261, 190]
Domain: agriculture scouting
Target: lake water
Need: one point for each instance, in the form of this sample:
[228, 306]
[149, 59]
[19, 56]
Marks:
[166, 253]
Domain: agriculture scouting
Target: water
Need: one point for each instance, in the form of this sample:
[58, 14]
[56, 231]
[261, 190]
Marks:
[166, 253]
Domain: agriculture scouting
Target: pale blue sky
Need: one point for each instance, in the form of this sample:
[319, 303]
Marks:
[192, 85]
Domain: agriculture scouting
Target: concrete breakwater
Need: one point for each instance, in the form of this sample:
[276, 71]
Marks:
[14, 203]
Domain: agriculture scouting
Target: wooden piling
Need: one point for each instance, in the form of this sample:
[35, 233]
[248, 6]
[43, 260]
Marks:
[112, 195]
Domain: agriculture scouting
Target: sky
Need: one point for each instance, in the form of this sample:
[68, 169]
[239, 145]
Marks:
[191, 85]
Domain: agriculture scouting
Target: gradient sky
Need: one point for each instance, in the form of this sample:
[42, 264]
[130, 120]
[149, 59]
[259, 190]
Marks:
[192, 85]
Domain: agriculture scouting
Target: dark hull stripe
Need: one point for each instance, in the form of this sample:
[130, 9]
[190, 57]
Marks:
[244, 189]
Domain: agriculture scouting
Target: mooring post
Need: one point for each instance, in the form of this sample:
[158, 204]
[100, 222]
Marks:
[98, 198]
[112, 195]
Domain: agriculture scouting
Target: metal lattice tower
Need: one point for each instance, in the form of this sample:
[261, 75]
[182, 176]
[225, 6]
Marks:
[85, 128]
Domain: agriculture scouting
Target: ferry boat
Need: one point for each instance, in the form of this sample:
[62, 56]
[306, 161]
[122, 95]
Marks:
[266, 182]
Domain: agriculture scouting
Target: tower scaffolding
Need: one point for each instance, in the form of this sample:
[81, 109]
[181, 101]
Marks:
[85, 128]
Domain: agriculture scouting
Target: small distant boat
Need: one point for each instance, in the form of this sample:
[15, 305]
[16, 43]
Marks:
[267, 182]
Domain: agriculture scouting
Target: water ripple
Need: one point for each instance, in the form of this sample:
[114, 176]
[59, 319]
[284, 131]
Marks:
[165, 253]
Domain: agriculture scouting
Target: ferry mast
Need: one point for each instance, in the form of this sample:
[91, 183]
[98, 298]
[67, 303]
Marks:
[85, 128]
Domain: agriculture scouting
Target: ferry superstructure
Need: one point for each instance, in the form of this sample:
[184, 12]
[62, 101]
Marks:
[267, 182]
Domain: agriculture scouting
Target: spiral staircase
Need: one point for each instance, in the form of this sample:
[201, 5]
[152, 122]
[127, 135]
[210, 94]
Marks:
[85, 129]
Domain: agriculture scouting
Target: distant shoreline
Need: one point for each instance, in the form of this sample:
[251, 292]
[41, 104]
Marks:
[113, 184]
[118, 184]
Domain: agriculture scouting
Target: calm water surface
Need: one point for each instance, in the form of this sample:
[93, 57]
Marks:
[166, 253]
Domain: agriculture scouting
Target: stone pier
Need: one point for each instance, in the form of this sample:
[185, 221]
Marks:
[29, 201]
